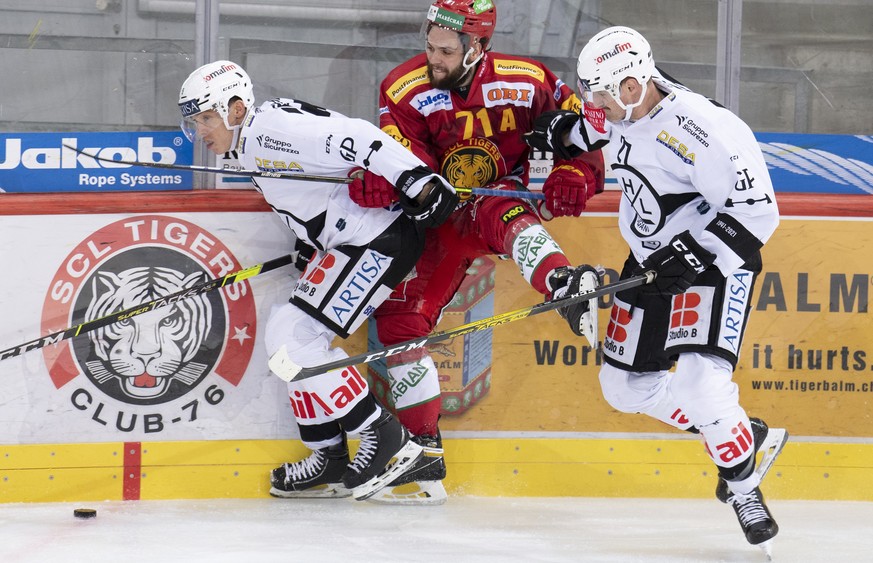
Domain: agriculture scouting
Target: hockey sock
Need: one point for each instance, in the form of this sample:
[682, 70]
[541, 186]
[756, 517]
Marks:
[535, 252]
[421, 419]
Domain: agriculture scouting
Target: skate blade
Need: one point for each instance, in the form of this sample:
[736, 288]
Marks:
[771, 448]
[767, 548]
[417, 493]
[403, 460]
[333, 490]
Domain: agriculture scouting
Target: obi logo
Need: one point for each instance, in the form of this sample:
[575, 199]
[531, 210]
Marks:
[152, 368]
[512, 93]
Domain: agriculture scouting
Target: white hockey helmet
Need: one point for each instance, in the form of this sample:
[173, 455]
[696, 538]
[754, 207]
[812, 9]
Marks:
[212, 87]
[611, 56]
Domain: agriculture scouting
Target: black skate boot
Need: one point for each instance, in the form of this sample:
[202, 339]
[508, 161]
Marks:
[582, 315]
[385, 452]
[757, 522]
[317, 476]
[770, 441]
[422, 483]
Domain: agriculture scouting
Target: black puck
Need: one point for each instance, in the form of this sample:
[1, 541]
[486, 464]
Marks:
[85, 513]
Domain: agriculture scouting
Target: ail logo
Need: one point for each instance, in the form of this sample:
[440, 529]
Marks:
[683, 310]
[736, 448]
[304, 403]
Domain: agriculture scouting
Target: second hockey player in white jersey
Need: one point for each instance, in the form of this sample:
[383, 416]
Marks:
[697, 207]
[360, 255]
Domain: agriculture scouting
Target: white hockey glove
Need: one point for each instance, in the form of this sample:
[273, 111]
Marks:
[581, 316]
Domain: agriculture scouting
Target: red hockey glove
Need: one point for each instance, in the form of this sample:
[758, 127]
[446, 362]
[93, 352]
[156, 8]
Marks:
[371, 190]
[568, 188]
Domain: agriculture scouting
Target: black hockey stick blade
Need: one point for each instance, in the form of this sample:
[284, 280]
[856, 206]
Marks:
[165, 301]
[215, 170]
[475, 326]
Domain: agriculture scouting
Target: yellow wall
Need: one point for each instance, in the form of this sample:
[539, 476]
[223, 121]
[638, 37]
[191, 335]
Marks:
[485, 467]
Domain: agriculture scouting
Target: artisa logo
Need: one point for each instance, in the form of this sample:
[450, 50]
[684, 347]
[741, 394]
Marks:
[148, 372]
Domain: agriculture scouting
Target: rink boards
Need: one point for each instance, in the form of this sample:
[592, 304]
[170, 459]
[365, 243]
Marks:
[542, 429]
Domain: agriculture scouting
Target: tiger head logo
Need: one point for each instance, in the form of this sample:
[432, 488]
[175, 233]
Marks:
[472, 163]
[146, 352]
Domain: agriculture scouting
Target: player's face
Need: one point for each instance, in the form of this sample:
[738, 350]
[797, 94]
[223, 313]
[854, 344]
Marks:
[445, 54]
[210, 128]
[603, 100]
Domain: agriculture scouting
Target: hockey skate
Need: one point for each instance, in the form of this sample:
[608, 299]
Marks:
[755, 519]
[317, 476]
[385, 452]
[422, 483]
[581, 316]
[758, 524]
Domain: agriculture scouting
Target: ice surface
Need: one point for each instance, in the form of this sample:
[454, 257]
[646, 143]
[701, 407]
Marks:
[474, 529]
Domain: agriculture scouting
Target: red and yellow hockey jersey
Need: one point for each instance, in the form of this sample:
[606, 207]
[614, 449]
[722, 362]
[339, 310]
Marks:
[473, 140]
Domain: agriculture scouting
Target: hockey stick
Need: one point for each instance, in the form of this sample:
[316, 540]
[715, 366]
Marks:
[293, 372]
[521, 194]
[285, 176]
[214, 170]
[165, 301]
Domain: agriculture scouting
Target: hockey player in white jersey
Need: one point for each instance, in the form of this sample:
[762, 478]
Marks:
[698, 206]
[361, 254]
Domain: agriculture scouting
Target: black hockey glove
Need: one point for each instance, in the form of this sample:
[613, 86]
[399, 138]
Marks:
[436, 207]
[677, 265]
[302, 254]
[549, 130]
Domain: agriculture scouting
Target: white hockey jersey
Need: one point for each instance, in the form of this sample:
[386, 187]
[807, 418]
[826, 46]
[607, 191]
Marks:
[289, 136]
[688, 165]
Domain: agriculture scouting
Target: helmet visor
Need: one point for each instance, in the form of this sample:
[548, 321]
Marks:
[596, 98]
[201, 124]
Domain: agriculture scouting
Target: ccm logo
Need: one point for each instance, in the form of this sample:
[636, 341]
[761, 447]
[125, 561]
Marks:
[689, 256]
[513, 213]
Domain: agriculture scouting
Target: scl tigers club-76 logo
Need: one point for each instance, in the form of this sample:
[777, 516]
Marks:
[473, 163]
[153, 370]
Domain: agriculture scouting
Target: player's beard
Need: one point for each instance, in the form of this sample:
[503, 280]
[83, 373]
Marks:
[451, 81]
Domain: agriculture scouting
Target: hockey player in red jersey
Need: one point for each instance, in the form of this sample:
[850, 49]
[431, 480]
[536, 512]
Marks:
[462, 109]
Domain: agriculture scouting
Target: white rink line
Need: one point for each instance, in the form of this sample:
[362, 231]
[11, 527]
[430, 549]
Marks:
[474, 529]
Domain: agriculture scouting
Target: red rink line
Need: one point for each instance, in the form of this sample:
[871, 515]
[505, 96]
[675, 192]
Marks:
[794, 204]
[132, 471]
